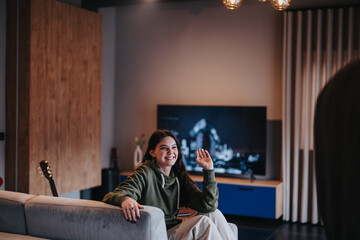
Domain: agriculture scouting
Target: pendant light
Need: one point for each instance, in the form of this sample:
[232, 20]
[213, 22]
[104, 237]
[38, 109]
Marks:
[277, 4]
[280, 4]
[232, 4]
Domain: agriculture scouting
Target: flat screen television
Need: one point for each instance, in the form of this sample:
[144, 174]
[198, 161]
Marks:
[235, 136]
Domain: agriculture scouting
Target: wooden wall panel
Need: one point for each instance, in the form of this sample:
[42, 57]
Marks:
[10, 89]
[60, 98]
[23, 99]
[65, 94]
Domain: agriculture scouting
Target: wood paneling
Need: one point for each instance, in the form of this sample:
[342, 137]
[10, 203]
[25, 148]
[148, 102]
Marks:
[10, 88]
[60, 97]
[23, 99]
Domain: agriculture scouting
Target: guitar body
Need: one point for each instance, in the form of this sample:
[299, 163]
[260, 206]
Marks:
[47, 172]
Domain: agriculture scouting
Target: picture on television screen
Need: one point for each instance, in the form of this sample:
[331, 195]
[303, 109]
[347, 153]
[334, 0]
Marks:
[235, 136]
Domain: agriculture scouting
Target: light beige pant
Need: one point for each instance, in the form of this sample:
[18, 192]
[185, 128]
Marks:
[203, 226]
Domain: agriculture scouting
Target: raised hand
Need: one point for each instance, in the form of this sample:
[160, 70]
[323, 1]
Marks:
[204, 160]
[130, 209]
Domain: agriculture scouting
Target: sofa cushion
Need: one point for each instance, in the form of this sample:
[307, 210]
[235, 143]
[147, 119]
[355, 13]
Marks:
[63, 218]
[12, 217]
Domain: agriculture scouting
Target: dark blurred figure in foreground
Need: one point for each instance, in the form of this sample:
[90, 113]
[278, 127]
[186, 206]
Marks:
[337, 153]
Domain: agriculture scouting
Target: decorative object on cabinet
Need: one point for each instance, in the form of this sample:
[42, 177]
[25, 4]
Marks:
[138, 150]
[137, 156]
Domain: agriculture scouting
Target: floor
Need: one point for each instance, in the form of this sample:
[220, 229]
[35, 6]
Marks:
[267, 229]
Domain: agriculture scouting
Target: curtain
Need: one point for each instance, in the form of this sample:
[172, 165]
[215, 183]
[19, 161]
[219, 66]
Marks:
[317, 43]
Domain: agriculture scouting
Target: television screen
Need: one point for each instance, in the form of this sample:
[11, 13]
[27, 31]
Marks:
[235, 136]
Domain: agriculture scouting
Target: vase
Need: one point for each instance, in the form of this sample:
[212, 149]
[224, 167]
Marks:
[137, 156]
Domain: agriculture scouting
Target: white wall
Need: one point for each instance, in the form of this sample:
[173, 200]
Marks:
[2, 87]
[193, 53]
[108, 78]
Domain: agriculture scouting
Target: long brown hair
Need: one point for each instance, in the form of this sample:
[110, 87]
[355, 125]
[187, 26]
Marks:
[179, 167]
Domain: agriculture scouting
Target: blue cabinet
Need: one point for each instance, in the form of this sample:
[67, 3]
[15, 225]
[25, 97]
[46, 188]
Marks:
[260, 198]
[244, 200]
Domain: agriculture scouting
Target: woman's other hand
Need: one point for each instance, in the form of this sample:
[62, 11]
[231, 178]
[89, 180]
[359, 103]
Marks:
[204, 160]
[131, 208]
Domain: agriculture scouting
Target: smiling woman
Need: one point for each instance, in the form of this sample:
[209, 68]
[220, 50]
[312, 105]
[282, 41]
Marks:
[162, 181]
[165, 154]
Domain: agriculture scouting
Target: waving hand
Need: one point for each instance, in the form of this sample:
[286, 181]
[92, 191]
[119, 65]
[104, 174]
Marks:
[203, 158]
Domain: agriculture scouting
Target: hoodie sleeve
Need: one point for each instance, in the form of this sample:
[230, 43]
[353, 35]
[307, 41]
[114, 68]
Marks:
[132, 187]
[207, 200]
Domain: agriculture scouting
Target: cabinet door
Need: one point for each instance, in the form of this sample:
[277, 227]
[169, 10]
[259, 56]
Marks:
[247, 200]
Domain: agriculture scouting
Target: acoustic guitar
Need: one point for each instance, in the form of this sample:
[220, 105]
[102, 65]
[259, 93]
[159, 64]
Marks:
[47, 172]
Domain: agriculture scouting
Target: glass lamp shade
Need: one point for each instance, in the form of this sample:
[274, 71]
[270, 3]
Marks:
[232, 4]
[280, 4]
[263, 0]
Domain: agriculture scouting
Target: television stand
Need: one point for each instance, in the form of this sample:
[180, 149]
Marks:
[246, 197]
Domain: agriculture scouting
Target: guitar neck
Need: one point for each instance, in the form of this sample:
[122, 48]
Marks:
[53, 188]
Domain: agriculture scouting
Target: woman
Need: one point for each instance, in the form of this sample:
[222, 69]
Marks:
[162, 181]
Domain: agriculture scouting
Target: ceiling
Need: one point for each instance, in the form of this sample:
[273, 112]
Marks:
[295, 4]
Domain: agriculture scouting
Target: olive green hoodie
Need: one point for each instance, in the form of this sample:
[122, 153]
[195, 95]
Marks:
[149, 186]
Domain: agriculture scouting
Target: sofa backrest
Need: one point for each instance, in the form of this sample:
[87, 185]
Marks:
[12, 211]
[63, 218]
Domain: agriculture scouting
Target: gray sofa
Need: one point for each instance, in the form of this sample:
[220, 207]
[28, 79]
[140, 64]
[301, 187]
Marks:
[25, 216]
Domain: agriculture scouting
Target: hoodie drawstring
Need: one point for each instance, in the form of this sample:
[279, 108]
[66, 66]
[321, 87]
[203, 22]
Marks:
[178, 200]
[163, 181]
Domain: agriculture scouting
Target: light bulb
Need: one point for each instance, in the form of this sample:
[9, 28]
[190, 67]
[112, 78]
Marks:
[280, 4]
[263, 0]
[232, 4]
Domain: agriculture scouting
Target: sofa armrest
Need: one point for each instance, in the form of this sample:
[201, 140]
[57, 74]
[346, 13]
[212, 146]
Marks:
[12, 213]
[63, 218]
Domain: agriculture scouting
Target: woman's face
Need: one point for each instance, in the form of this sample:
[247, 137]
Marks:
[165, 153]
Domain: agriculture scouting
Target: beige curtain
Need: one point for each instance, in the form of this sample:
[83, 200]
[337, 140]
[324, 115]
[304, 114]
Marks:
[316, 44]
